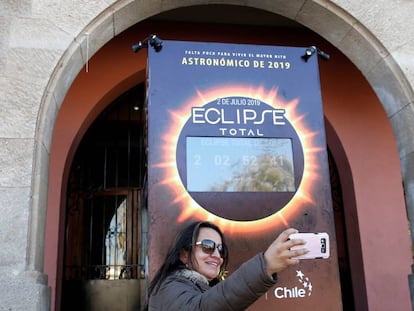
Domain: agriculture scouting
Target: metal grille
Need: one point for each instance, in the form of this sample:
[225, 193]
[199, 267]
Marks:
[105, 195]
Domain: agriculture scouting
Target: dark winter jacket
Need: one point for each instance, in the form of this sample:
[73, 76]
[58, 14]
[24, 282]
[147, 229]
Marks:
[187, 290]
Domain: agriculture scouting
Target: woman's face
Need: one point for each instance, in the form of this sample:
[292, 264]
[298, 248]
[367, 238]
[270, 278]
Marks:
[208, 264]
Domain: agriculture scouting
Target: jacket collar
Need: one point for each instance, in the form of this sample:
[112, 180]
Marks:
[193, 276]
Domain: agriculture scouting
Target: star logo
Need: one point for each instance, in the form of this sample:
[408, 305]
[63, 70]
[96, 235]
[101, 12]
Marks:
[305, 281]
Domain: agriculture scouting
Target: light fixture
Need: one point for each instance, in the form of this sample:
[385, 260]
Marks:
[309, 51]
[152, 40]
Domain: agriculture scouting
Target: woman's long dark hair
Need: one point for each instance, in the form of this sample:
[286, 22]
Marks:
[185, 240]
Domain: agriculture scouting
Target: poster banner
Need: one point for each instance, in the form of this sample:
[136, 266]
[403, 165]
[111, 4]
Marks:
[236, 136]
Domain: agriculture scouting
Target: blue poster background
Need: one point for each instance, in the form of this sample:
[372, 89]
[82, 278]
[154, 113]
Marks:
[284, 92]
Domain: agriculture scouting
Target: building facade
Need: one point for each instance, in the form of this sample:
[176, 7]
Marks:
[64, 62]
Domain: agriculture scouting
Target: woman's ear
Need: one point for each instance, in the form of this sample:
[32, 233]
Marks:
[184, 257]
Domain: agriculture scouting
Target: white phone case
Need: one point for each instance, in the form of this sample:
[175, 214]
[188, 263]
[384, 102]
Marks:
[317, 243]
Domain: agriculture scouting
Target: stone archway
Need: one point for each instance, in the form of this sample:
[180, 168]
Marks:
[394, 92]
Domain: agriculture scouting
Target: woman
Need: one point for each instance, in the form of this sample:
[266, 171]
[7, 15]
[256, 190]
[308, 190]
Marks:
[190, 278]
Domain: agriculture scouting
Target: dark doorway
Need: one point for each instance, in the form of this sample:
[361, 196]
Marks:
[105, 232]
[341, 237]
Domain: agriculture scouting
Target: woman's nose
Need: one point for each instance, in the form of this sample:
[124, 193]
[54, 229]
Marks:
[216, 253]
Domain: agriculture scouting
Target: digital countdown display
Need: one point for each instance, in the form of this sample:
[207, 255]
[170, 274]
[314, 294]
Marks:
[236, 164]
[236, 149]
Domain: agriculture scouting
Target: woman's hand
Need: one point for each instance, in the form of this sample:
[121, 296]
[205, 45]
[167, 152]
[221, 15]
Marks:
[279, 255]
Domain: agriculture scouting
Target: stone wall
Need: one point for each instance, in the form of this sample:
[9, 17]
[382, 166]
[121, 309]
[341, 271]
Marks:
[45, 43]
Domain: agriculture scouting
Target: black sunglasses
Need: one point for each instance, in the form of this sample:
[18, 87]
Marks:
[208, 247]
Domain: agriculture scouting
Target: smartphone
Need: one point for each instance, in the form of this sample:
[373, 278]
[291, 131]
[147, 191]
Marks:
[316, 243]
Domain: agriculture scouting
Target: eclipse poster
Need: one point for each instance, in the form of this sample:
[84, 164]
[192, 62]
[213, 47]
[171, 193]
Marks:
[236, 137]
